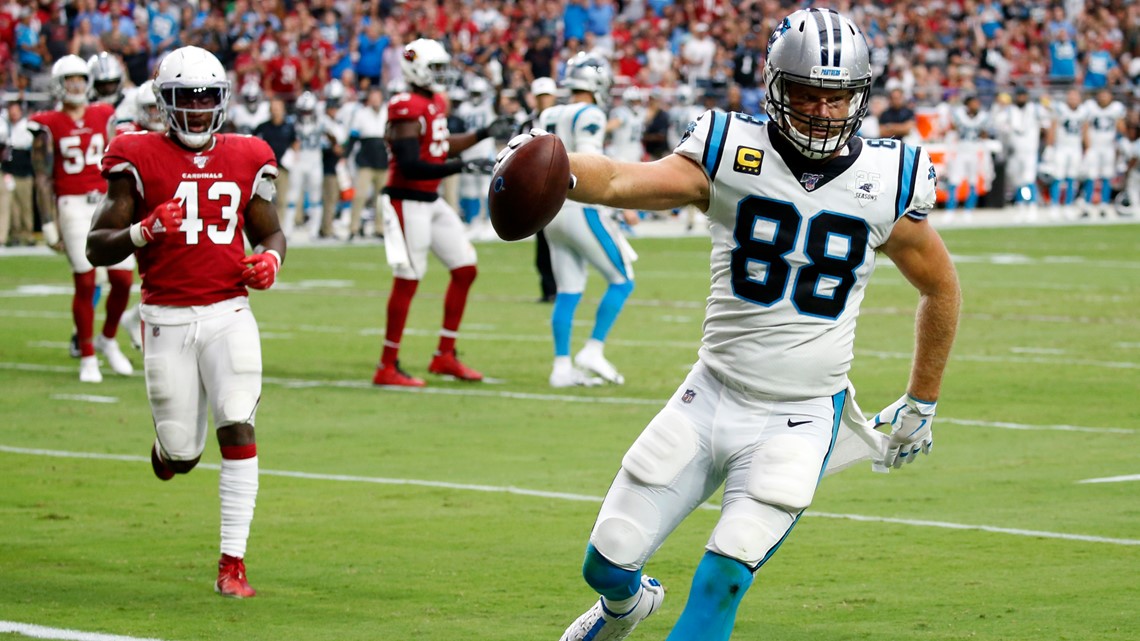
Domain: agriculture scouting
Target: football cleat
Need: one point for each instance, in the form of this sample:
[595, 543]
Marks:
[161, 469]
[592, 360]
[89, 370]
[393, 375]
[115, 358]
[231, 578]
[447, 364]
[599, 624]
[573, 377]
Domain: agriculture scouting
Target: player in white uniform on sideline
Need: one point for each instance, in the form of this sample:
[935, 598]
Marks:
[1066, 150]
[1105, 124]
[799, 209]
[249, 112]
[476, 112]
[1026, 121]
[580, 235]
[627, 123]
[972, 125]
[306, 176]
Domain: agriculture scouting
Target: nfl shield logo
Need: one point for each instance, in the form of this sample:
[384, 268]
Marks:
[688, 396]
[200, 161]
[809, 181]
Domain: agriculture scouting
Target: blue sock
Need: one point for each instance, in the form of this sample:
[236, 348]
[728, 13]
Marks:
[1105, 192]
[1070, 191]
[1089, 191]
[972, 198]
[607, 579]
[612, 303]
[561, 320]
[1055, 192]
[470, 207]
[710, 613]
[98, 295]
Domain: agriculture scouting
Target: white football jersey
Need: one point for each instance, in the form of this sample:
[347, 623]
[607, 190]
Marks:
[580, 125]
[625, 139]
[971, 127]
[1025, 125]
[1069, 125]
[476, 117]
[245, 120]
[793, 248]
[1103, 122]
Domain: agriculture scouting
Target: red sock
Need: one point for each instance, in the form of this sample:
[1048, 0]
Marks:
[453, 305]
[83, 311]
[399, 301]
[239, 452]
[117, 300]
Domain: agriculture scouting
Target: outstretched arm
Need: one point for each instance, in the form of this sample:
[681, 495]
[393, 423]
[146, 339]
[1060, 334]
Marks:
[920, 255]
[674, 181]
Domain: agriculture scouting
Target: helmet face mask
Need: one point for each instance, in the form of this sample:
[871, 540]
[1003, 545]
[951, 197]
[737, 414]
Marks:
[106, 77]
[193, 93]
[818, 75]
[589, 73]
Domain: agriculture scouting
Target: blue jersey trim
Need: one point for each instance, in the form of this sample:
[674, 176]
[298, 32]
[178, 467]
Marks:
[714, 146]
[594, 220]
[908, 160]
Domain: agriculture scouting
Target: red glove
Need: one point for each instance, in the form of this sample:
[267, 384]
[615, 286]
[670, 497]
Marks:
[165, 218]
[261, 270]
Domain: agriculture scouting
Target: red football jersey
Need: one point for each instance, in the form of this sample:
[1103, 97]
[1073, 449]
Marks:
[77, 146]
[198, 264]
[432, 116]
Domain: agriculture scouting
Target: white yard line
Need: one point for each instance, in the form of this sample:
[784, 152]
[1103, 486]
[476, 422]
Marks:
[43, 632]
[1113, 479]
[85, 398]
[576, 497]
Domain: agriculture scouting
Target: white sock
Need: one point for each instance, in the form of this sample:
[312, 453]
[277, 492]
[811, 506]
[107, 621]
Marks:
[237, 489]
[625, 606]
[562, 363]
[594, 345]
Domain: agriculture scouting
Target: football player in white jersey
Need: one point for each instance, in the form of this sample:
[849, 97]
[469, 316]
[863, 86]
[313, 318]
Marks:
[251, 111]
[1105, 124]
[1066, 147]
[477, 112]
[581, 235]
[1026, 121]
[799, 210]
[627, 122]
[972, 125]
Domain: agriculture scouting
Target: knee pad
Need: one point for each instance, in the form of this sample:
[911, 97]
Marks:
[785, 472]
[178, 442]
[748, 537]
[663, 450]
[239, 403]
[622, 534]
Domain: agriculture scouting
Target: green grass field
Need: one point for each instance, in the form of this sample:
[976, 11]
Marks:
[462, 511]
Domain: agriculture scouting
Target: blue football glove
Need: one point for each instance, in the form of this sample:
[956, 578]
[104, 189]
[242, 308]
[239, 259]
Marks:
[911, 421]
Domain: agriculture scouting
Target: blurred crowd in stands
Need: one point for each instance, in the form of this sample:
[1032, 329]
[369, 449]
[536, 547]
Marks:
[680, 56]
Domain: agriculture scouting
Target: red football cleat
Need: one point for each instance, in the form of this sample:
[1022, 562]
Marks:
[447, 364]
[231, 579]
[393, 375]
[161, 469]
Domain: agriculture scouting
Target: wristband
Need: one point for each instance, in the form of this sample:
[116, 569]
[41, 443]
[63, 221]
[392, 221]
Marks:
[137, 237]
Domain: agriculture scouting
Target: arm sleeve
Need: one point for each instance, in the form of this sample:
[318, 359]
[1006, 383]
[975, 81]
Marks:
[407, 153]
[923, 194]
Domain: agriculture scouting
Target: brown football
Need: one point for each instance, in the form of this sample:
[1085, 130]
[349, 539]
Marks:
[529, 188]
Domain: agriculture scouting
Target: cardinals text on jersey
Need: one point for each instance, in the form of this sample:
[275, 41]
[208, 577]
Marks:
[793, 247]
[198, 264]
[77, 147]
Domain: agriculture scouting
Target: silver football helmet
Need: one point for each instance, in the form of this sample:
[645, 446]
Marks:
[585, 72]
[817, 48]
[106, 73]
[193, 93]
[427, 65]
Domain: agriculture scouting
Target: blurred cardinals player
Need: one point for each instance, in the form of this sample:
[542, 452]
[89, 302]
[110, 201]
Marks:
[180, 201]
[66, 152]
[416, 219]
